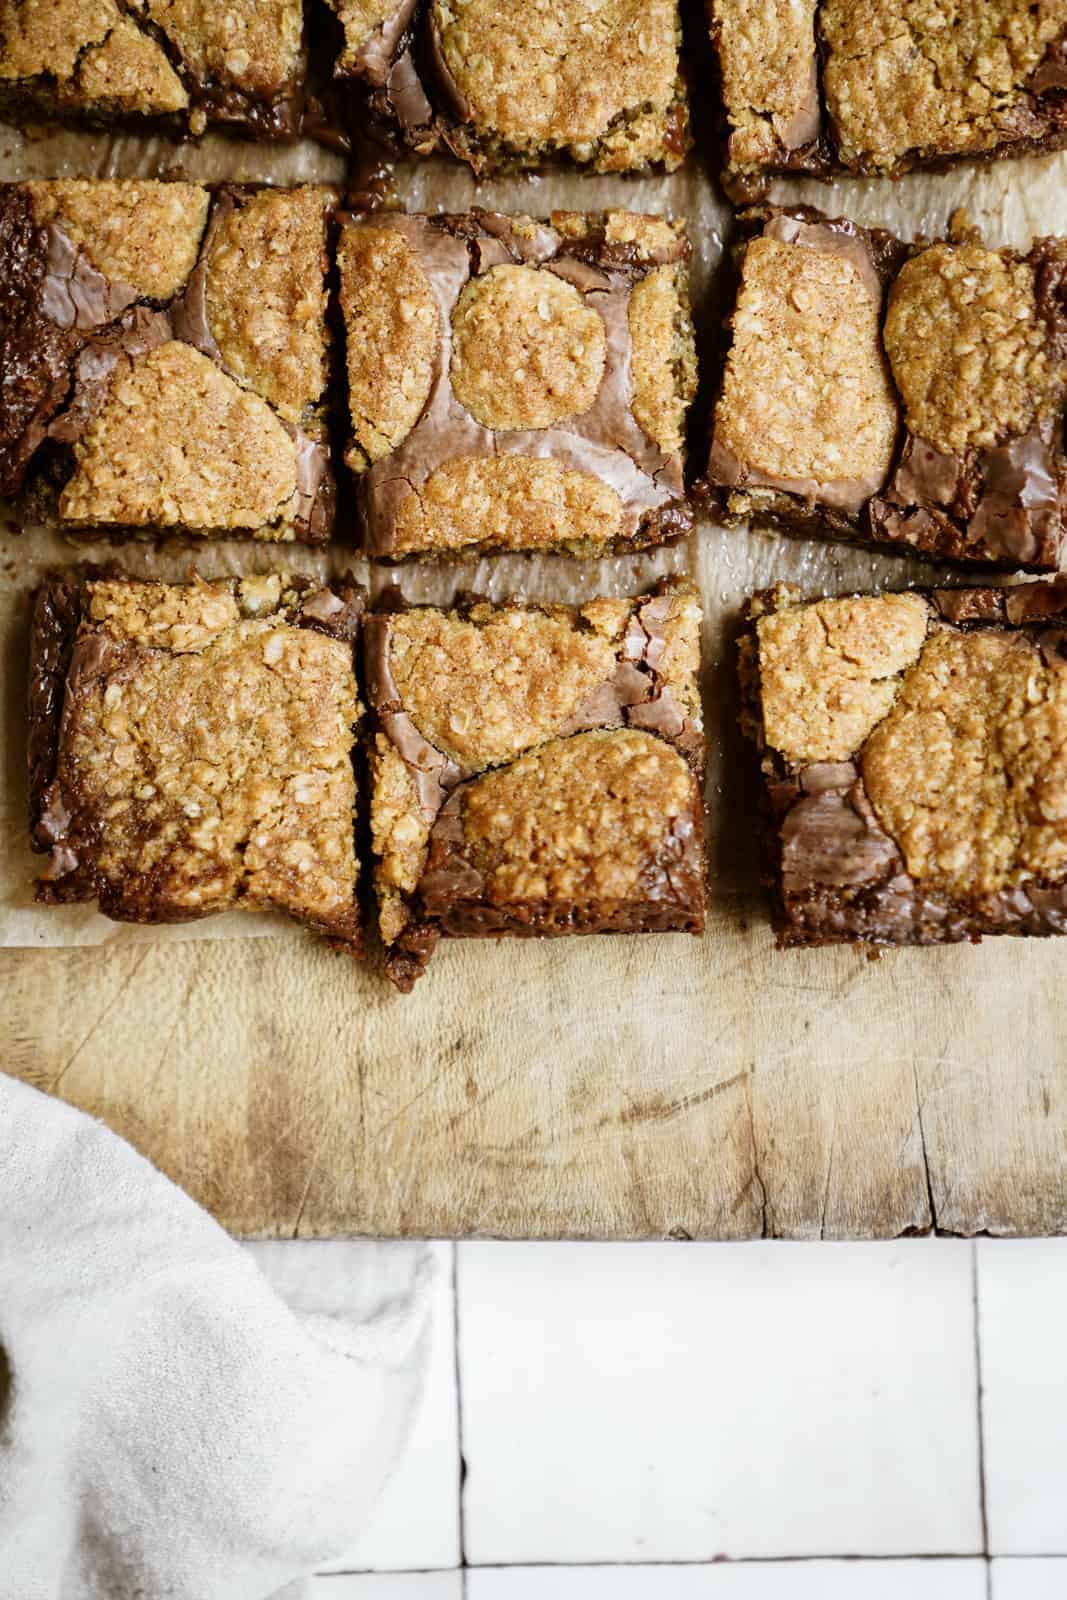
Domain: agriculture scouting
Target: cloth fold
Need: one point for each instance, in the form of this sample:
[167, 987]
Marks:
[169, 1428]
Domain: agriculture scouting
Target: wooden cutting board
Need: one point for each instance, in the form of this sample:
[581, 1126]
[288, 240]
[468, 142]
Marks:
[596, 1088]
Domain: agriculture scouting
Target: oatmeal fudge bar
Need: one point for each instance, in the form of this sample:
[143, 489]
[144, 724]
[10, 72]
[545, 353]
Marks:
[914, 751]
[517, 384]
[191, 749]
[163, 353]
[834, 86]
[536, 770]
[501, 84]
[177, 64]
[908, 396]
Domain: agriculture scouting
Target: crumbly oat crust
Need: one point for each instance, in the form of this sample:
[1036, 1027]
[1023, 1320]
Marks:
[134, 231]
[664, 358]
[172, 616]
[806, 397]
[598, 81]
[391, 322]
[178, 444]
[829, 672]
[938, 76]
[399, 832]
[266, 295]
[527, 350]
[968, 770]
[204, 760]
[578, 820]
[514, 502]
[968, 349]
[769, 77]
[253, 44]
[130, 72]
[48, 36]
[484, 686]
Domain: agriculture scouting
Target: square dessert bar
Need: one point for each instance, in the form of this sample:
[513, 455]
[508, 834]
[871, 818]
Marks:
[517, 384]
[191, 749]
[502, 84]
[536, 770]
[179, 64]
[909, 396]
[164, 355]
[914, 751]
[822, 86]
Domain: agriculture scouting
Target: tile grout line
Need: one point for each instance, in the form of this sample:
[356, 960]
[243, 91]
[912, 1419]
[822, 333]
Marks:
[458, 1373]
[983, 1509]
[719, 1562]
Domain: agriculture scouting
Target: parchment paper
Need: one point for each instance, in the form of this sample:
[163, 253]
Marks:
[1010, 201]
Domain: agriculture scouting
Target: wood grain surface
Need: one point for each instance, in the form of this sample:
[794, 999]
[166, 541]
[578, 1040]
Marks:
[599, 1088]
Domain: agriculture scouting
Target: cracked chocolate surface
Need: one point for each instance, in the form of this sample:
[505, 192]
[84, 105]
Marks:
[160, 375]
[908, 396]
[180, 64]
[191, 749]
[826, 86]
[518, 465]
[535, 770]
[937, 810]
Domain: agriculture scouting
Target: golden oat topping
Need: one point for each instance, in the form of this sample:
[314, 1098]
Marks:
[266, 295]
[570, 74]
[48, 36]
[177, 442]
[579, 820]
[769, 79]
[527, 350]
[829, 672]
[931, 75]
[507, 502]
[968, 348]
[132, 230]
[664, 362]
[968, 770]
[392, 330]
[212, 763]
[131, 71]
[254, 44]
[485, 687]
[806, 395]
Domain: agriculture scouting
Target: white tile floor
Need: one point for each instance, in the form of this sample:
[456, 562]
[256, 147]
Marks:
[728, 1422]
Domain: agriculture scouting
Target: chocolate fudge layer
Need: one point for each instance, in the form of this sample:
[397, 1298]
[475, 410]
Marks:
[191, 749]
[914, 751]
[516, 384]
[501, 84]
[823, 86]
[912, 397]
[164, 356]
[536, 770]
[180, 64]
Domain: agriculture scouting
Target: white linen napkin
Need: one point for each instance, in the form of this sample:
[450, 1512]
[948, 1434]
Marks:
[169, 1428]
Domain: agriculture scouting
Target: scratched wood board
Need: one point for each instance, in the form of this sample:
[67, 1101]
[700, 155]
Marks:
[610, 1088]
[694, 1088]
